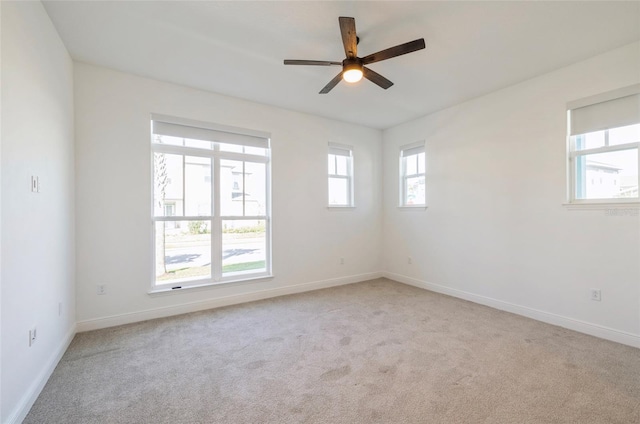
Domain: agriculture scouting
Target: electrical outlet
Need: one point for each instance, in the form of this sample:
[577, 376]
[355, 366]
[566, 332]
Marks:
[101, 289]
[33, 334]
[596, 295]
[59, 308]
[409, 260]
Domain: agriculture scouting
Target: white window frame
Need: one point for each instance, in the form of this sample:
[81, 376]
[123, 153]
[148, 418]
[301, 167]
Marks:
[408, 151]
[216, 133]
[336, 150]
[601, 118]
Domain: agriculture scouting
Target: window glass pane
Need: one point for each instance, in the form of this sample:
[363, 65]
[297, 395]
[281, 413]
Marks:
[415, 191]
[243, 247]
[411, 165]
[180, 141]
[231, 188]
[197, 186]
[230, 148]
[338, 191]
[255, 151]
[167, 179]
[183, 250]
[332, 164]
[611, 175]
[165, 139]
[589, 140]
[342, 167]
[198, 144]
[623, 135]
[255, 194]
[421, 163]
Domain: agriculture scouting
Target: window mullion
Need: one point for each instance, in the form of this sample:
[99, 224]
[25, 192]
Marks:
[184, 179]
[216, 224]
[605, 149]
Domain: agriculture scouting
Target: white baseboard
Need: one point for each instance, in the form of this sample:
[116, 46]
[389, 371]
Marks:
[27, 401]
[548, 317]
[112, 321]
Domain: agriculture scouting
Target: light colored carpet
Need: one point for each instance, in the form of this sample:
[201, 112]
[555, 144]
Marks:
[372, 352]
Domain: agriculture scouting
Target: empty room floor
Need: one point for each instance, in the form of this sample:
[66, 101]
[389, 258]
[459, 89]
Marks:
[371, 352]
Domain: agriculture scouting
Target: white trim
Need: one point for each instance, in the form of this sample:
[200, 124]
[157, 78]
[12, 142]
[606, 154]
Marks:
[604, 205]
[412, 207]
[24, 405]
[595, 330]
[203, 283]
[128, 318]
[605, 149]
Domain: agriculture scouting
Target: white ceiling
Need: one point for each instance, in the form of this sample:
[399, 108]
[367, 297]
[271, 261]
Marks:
[237, 47]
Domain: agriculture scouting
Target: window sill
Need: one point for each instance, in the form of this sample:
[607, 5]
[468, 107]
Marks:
[604, 205]
[610, 208]
[341, 207]
[412, 207]
[197, 287]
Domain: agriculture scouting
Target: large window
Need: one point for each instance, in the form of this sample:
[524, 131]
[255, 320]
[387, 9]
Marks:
[340, 161]
[604, 147]
[210, 203]
[412, 171]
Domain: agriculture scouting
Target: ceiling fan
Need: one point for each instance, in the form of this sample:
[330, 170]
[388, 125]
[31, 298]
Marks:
[353, 68]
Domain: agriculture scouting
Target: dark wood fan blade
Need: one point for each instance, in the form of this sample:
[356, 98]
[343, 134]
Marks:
[405, 48]
[311, 62]
[349, 38]
[376, 78]
[331, 84]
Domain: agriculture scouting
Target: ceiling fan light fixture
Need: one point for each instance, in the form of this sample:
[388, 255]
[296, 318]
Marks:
[352, 72]
[353, 67]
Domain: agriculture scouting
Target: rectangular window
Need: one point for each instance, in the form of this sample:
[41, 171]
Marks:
[412, 173]
[340, 160]
[211, 201]
[604, 147]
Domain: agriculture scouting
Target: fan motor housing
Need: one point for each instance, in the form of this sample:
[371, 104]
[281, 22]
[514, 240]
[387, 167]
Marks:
[355, 63]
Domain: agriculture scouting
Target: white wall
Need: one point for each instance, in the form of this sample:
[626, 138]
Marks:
[113, 224]
[37, 229]
[496, 230]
